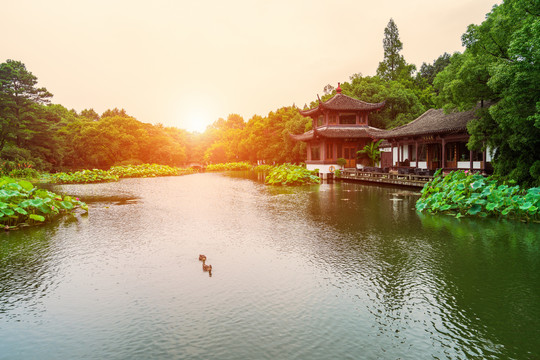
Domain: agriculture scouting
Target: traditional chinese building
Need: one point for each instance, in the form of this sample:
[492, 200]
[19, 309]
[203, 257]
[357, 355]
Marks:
[340, 129]
[432, 141]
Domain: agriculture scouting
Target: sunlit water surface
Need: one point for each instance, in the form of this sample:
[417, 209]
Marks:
[336, 271]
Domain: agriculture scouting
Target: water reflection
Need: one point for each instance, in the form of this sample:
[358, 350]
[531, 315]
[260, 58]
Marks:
[326, 271]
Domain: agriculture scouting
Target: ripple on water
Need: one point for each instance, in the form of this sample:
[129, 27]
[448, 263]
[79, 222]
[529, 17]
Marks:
[298, 273]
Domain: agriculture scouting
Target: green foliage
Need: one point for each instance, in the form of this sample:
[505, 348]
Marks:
[405, 101]
[19, 100]
[23, 204]
[341, 162]
[393, 66]
[229, 167]
[427, 72]
[147, 170]
[115, 173]
[372, 151]
[82, 177]
[337, 173]
[17, 169]
[288, 174]
[461, 194]
[500, 65]
[263, 168]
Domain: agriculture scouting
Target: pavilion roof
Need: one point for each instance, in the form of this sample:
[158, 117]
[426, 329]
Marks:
[433, 121]
[340, 102]
[337, 132]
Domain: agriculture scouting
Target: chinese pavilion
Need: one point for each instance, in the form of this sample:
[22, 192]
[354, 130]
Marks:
[340, 129]
[432, 141]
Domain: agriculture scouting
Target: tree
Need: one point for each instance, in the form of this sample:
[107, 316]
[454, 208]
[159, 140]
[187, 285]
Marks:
[393, 66]
[403, 99]
[427, 72]
[90, 114]
[19, 102]
[501, 65]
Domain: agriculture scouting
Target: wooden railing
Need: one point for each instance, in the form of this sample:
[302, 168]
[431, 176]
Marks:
[388, 178]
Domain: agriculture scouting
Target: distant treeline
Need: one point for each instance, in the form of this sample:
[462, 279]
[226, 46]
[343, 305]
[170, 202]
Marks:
[501, 66]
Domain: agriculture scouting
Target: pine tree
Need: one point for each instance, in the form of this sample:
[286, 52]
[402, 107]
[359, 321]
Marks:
[393, 65]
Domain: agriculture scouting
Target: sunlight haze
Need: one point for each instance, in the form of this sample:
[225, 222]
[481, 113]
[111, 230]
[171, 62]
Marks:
[186, 64]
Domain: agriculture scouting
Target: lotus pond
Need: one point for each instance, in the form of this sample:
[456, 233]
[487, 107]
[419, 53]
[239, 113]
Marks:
[329, 271]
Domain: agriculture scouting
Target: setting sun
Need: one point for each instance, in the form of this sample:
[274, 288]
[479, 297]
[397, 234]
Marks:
[196, 120]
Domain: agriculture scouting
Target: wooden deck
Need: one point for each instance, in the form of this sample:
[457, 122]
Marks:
[385, 178]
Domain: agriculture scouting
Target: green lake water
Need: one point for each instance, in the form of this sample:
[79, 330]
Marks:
[335, 271]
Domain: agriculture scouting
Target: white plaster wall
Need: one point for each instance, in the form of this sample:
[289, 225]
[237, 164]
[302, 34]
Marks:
[489, 152]
[323, 168]
[422, 164]
[405, 153]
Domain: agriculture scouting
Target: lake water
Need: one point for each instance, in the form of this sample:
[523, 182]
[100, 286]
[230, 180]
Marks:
[336, 271]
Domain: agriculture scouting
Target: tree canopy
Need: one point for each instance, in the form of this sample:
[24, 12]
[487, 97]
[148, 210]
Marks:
[498, 73]
[501, 67]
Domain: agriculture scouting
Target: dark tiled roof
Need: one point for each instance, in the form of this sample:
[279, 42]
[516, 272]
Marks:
[344, 103]
[338, 132]
[433, 121]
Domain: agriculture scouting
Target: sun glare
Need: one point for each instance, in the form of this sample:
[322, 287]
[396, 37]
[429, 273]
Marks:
[196, 121]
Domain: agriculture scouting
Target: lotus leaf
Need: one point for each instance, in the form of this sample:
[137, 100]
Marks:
[479, 196]
[37, 217]
[67, 205]
[7, 211]
[526, 206]
[26, 185]
[20, 210]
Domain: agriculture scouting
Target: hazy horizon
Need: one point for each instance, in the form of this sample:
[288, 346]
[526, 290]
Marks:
[186, 64]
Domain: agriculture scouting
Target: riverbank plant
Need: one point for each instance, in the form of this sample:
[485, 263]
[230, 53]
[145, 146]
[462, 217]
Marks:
[115, 173]
[22, 204]
[263, 168]
[18, 169]
[235, 166]
[148, 170]
[81, 177]
[466, 194]
[288, 174]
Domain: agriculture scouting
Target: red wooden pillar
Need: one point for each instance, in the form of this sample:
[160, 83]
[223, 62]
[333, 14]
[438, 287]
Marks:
[471, 161]
[484, 158]
[392, 152]
[443, 153]
[416, 152]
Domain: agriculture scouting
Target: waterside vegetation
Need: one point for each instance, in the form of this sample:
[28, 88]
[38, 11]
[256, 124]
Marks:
[22, 204]
[115, 173]
[463, 193]
[290, 175]
[233, 166]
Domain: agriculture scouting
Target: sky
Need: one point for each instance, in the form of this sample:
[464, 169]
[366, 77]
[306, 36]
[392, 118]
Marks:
[188, 63]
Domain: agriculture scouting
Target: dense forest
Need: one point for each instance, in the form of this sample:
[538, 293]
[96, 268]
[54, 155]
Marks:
[500, 66]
